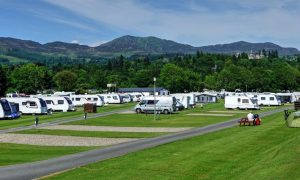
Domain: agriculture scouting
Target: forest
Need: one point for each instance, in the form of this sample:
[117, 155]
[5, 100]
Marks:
[177, 73]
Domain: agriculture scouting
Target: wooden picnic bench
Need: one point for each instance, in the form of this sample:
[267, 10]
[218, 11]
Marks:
[245, 121]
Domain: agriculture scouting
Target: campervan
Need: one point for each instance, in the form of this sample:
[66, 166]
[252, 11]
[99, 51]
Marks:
[240, 102]
[81, 99]
[63, 104]
[5, 109]
[164, 104]
[183, 99]
[268, 99]
[111, 98]
[30, 105]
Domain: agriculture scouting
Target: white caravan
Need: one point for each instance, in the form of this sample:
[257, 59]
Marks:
[63, 93]
[126, 98]
[164, 104]
[240, 102]
[81, 99]
[183, 99]
[5, 109]
[268, 99]
[286, 97]
[111, 98]
[63, 104]
[30, 105]
[136, 97]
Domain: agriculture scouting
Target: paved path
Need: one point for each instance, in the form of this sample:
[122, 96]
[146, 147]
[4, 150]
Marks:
[46, 167]
[114, 128]
[61, 121]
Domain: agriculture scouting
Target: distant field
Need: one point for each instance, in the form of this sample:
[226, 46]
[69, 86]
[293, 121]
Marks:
[27, 120]
[14, 60]
[269, 151]
[16, 154]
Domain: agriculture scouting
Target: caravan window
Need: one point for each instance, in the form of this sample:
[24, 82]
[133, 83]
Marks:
[60, 102]
[89, 99]
[32, 103]
[108, 96]
[263, 98]
[95, 99]
[48, 101]
[115, 97]
[77, 99]
[271, 98]
[24, 103]
[239, 99]
[245, 101]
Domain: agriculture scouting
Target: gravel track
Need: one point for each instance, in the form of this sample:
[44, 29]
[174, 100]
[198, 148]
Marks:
[204, 114]
[53, 140]
[114, 129]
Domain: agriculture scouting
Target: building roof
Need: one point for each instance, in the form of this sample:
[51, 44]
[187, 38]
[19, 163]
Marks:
[145, 89]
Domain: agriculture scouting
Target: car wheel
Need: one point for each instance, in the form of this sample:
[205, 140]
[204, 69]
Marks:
[138, 110]
[166, 111]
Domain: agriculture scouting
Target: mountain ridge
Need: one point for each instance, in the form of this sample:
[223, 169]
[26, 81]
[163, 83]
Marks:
[132, 45]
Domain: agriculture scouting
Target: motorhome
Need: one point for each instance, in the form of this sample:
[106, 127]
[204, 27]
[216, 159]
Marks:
[30, 105]
[5, 109]
[63, 104]
[161, 104]
[240, 102]
[111, 98]
[183, 99]
[81, 99]
[268, 99]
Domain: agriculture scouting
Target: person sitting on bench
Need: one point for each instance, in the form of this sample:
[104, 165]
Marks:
[250, 117]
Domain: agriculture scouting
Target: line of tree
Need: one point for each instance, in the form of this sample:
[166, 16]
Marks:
[180, 73]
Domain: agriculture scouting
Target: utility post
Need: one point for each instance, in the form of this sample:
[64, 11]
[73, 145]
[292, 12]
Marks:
[154, 80]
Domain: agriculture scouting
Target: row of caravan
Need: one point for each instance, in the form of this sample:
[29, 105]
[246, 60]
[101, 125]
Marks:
[251, 100]
[15, 104]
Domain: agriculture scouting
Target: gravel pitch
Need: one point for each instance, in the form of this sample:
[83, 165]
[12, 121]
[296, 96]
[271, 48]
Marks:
[113, 128]
[50, 140]
[202, 114]
[232, 112]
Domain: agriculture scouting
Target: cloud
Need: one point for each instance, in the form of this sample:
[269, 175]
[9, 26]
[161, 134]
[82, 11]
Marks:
[200, 23]
[75, 41]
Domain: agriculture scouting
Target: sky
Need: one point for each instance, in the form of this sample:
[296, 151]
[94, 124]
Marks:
[194, 22]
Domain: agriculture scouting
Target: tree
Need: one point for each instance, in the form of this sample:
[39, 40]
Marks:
[65, 80]
[3, 81]
[28, 79]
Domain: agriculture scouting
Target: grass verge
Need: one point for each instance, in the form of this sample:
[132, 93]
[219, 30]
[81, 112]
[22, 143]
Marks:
[269, 151]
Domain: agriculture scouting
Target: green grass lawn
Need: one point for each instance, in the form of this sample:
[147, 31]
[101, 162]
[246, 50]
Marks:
[269, 151]
[178, 119]
[27, 120]
[17, 154]
[92, 133]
